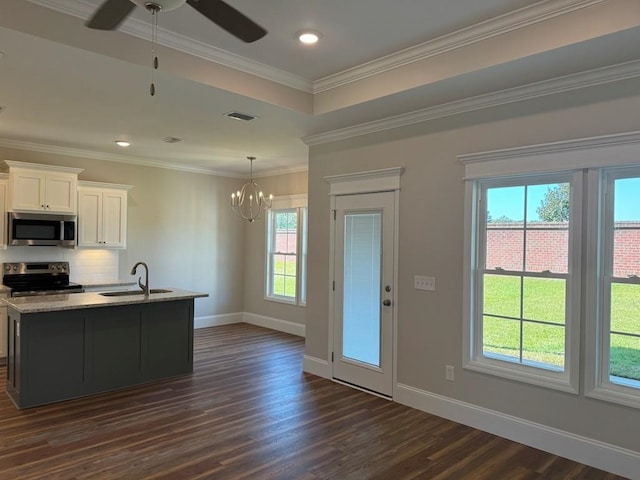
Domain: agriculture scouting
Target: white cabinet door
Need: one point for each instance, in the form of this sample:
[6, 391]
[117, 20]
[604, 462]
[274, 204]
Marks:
[90, 218]
[28, 191]
[60, 193]
[114, 218]
[42, 192]
[102, 218]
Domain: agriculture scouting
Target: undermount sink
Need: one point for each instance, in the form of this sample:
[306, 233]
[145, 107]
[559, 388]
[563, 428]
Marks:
[133, 292]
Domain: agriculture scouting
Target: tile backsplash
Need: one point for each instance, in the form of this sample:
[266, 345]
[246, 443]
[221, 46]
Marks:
[85, 265]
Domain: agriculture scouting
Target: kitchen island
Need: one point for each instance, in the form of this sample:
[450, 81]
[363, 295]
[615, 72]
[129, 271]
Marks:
[73, 345]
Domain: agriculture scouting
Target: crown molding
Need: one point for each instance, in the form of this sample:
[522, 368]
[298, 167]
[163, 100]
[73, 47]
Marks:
[92, 155]
[108, 157]
[627, 138]
[508, 22]
[543, 88]
[140, 29]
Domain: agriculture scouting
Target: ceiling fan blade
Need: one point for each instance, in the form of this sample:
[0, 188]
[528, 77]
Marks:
[110, 14]
[230, 19]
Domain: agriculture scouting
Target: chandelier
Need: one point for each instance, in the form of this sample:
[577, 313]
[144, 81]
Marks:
[249, 202]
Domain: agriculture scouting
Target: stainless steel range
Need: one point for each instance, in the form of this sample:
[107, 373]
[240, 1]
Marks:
[38, 278]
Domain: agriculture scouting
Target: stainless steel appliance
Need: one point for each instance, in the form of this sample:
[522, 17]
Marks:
[38, 278]
[42, 229]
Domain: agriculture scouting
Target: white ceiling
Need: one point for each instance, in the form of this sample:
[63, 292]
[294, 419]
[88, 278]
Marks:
[68, 89]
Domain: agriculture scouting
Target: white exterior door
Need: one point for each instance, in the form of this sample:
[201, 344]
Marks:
[364, 235]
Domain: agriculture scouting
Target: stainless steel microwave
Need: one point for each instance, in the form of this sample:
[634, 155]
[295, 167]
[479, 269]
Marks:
[41, 229]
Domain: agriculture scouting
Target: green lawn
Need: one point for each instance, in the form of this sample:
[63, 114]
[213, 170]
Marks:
[284, 281]
[544, 300]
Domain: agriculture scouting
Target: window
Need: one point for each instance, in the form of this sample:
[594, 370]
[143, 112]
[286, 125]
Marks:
[523, 314]
[617, 321]
[536, 273]
[286, 250]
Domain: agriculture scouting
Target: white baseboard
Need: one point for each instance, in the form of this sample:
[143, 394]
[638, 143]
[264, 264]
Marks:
[316, 366]
[274, 324]
[581, 449]
[214, 320]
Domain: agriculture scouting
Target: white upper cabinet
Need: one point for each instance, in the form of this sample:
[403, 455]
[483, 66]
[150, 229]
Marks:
[42, 188]
[102, 215]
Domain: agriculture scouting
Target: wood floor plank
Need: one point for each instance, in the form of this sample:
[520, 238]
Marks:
[249, 412]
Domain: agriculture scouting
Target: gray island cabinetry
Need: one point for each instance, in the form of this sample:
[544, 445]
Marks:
[81, 344]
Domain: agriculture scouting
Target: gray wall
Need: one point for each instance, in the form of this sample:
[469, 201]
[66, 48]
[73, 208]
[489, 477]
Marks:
[431, 243]
[255, 251]
[179, 223]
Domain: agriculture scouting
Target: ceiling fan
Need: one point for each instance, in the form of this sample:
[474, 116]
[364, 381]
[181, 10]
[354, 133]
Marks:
[112, 12]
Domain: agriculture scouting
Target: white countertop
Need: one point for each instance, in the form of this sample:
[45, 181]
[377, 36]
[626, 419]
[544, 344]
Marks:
[74, 301]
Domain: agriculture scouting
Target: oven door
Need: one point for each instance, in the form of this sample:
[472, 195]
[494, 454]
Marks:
[41, 229]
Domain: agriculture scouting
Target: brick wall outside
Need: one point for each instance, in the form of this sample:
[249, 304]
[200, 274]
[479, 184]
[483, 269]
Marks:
[286, 241]
[547, 247]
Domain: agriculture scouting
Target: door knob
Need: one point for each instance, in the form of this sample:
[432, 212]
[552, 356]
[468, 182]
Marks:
[387, 303]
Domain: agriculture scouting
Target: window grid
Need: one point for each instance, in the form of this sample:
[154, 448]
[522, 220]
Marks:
[620, 349]
[286, 249]
[528, 354]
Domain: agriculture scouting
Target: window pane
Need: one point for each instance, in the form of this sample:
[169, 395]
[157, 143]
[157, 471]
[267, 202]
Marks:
[289, 286]
[501, 295]
[504, 236]
[548, 247]
[544, 299]
[625, 358]
[505, 246]
[626, 250]
[361, 335]
[278, 264]
[543, 345]
[625, 308]
[290, 265]
[501, 337]
[278, 285]
[548, 228]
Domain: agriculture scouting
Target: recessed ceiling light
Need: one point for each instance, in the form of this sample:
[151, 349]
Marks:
[309, 37]
[122, 143]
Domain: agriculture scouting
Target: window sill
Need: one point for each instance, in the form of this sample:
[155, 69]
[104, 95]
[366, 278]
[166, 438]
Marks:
[282, 300]
[613, 393]
[547, 379]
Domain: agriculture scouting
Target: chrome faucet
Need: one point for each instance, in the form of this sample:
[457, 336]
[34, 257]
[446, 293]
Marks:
[143, 286]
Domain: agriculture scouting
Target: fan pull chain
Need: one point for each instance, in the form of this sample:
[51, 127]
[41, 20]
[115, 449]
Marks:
[154, 43]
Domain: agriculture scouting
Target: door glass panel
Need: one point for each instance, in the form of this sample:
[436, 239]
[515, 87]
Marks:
[362, 289]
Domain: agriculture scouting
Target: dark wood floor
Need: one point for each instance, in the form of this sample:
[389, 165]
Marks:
[248, 412]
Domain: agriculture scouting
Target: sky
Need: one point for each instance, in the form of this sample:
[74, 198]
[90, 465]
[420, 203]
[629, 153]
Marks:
[509, 201]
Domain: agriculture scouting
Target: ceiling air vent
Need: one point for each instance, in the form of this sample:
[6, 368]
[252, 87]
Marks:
[240, 116]
[171, 140]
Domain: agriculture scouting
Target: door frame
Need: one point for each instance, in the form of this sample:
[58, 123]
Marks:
[372, 181]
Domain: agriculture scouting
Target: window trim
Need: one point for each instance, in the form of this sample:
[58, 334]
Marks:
[593, 155]
[282, 203]
[599, 251]
[475, 225]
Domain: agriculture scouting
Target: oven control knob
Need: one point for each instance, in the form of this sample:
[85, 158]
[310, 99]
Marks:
[59, 268]
[7, 267]
[15, 267]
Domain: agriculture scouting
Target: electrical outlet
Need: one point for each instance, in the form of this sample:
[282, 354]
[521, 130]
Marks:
[425, 283]
[449, 373]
